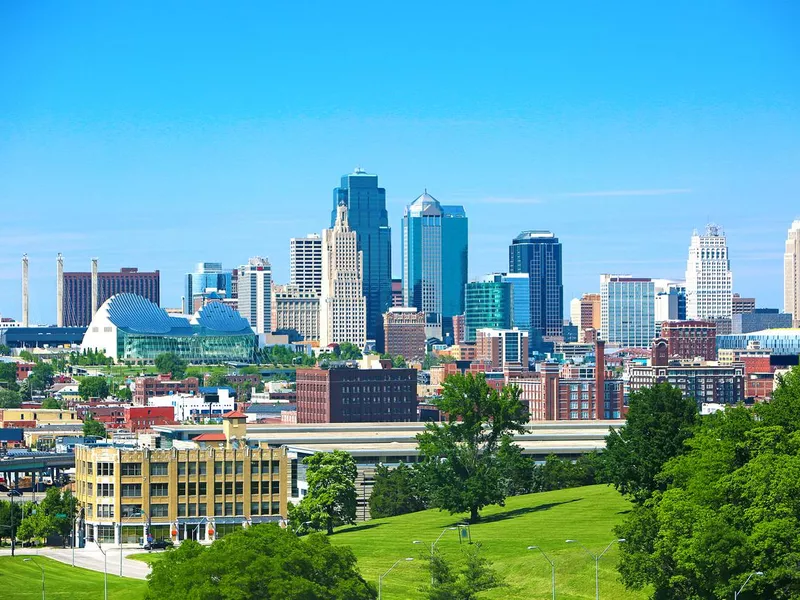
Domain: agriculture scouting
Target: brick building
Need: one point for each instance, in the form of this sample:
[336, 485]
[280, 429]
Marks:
[77, 309]
[404, 332]
[145, 417]
[690, 339]
[162, 385]
[500, 348]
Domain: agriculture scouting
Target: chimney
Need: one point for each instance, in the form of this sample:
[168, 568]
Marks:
[94, 287]
[24, 290]
[599, 379]
[60, 290]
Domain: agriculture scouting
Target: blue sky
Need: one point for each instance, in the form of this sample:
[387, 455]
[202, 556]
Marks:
[160, 134]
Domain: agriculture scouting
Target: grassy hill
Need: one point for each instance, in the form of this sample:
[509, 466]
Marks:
[586, 514]
[23, 581]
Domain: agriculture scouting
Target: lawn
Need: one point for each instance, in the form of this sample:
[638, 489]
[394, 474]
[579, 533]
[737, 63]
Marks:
[585, 514]
[23, 580]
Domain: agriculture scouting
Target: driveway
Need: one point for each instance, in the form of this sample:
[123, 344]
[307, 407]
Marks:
[92, 558]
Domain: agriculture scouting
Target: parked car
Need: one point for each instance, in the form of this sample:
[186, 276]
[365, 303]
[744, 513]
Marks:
[15, 493]
[158, 545]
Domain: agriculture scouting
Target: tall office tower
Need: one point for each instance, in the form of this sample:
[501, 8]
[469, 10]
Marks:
[208, 278]
[305, 263]
[627, 310]
[397, 293]
[255, 294]
[538, 253]
[343, 306]
[295, 312]
[709, 281]
[791, 274]
[488, 304]
[520, 298]
[79, 289]
[405, 332]
[365, 203]
[435, 251]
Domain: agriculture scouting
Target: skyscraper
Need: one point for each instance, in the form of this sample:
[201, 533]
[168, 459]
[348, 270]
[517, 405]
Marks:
[538, 253]
[709, 281]
[255, 294]
[488, 304]
[435, 249]
[305, 263]
[627, 310]
[366, 213]
[208, 277]
[791, 274]
[343, 307]
[520, 298]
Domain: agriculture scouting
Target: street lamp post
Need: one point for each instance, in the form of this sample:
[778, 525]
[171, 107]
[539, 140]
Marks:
[433, 544]
[749, 577]
[105, 570]
[552, 568]
[380, 579]
[596, 558]
[40, 568]
[137, 515]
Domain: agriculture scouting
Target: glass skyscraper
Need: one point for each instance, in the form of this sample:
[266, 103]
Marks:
[488, 304]
[435, 254]
[367, 216]
[627, 310]
[208, 277]
[538, 253]
[521, 298]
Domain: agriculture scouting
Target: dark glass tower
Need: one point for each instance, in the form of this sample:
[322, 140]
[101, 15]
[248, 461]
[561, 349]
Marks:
[366, 213]
[538, 253]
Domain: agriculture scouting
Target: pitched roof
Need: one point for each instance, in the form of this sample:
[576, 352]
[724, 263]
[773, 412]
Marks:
[234, 414]
[210, 437]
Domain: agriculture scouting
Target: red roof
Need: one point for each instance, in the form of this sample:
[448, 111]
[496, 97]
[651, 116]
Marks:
[234, 414]
[210, 437]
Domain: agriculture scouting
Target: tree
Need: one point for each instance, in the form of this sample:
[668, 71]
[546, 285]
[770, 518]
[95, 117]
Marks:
[5, 350]
[93, 387]
[395, 492]
[8, 375]
[461, 464]
[6, 520]
[262, 562]
[93, 427]
[51, 403]
[347, 351]
[27, 356]
[10, 399]
[169, 362]
[124, 393]
[659, 421]
[57, 503]
[39, 379]
[331, 498]
[473, 576]
[36, 525]
[217, 378]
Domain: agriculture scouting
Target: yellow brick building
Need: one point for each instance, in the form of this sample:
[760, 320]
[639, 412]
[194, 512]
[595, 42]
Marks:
[11, 417]
[199, 493]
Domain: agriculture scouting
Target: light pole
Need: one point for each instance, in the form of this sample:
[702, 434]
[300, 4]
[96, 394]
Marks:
[105, 570]
[137, 515]
[380, 579]
[749, 577]
[433, 545]
[552, 568]
[42, 570]
[596, 558]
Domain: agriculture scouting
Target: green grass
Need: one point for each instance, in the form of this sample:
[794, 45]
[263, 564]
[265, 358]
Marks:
[586, 514]
[146, 557]
[23, 580]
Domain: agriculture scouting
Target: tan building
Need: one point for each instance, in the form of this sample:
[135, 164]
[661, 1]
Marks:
[502, 347]
[295, 312]
[203, 492]
[37, 417]
[404, 331]
[589, 314]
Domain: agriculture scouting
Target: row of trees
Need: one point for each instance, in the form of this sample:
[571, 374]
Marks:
[30, 521]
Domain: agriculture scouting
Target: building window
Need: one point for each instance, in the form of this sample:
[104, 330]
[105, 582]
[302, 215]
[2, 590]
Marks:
[239, 488]
[181, 468]
[159, 469]
[181, 489]
[239, 508]
[159, 489]
[131, 510]
[201, 509]
[217, 488]
[105, 468]
[276, 487]
[105, 489]
[202, 468]
[159, 510]
[181, 509]
[254, 506]
[201, 488]
[254, 488]
[105, 511]
[131, 469]
[192, 468]
[131, 489]
[218, 467]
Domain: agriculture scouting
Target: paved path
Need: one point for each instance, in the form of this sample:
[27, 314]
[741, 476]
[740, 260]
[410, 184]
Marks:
[92, 558]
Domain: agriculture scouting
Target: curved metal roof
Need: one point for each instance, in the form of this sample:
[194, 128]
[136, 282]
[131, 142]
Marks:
[217, 316]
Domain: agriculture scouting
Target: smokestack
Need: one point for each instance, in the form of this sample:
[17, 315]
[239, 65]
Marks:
[183, 304]
[60, 290]
[599, 379]
[24, 290]
[94, 286]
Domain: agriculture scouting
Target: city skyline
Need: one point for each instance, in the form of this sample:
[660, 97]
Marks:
[588, 123]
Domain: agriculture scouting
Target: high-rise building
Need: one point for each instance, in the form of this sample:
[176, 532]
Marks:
[538, 253]
[520, 298]
[709, 281]
[295, 312]
[501, 348]
[589, 315]
[208, 278]
[343, 306]
[82, 293]
[305, 263]
[255, 294]
[690, 339]
[791, 274]
[397, 292]
[627, 310]
[459, 330]
[405, 332]
[435, 251]
[489, 304]
[365, 203]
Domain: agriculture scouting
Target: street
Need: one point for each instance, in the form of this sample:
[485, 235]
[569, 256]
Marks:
[91, 558]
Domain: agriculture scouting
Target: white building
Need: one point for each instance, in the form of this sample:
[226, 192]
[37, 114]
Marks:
[196, 408]
[791, 274]
[305, 263]
[255, 293]
[709, 281]
[627, 310]
[295, 312]
[343, 306]
[575, 312]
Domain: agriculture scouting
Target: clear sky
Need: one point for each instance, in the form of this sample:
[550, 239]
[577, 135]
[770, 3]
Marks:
[161, 134]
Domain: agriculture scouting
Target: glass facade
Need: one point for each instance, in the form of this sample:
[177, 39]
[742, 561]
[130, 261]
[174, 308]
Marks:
[780, 341]
[487, 304]
[207, 276]
[627, 311]
[538, 253]
[367, 216]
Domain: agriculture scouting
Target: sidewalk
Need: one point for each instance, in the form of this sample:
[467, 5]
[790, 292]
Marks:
[91, 558]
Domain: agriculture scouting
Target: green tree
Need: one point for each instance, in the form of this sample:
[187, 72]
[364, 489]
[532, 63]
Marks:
[51, 403]
[39, 379]
[659, 422]
[462, 582]
[57, 503]
[5, 350]
[93, 427]
[395, 492]
[169, 362]
[347, 351]
[10, 399]
[8, 375]
[331, 498]
[36, 525]
[462, 467]
[6, 520]
[262, 562]
[124, 393]
[217, 378]
[27, 356]
[93, 387]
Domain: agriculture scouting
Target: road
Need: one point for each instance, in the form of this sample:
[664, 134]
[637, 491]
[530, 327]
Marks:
[91, 558]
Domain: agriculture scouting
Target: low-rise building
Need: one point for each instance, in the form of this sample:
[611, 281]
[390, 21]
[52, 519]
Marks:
[197, 407]
[501, 348]
[690, 339]
[162, 385]
[37, 417]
